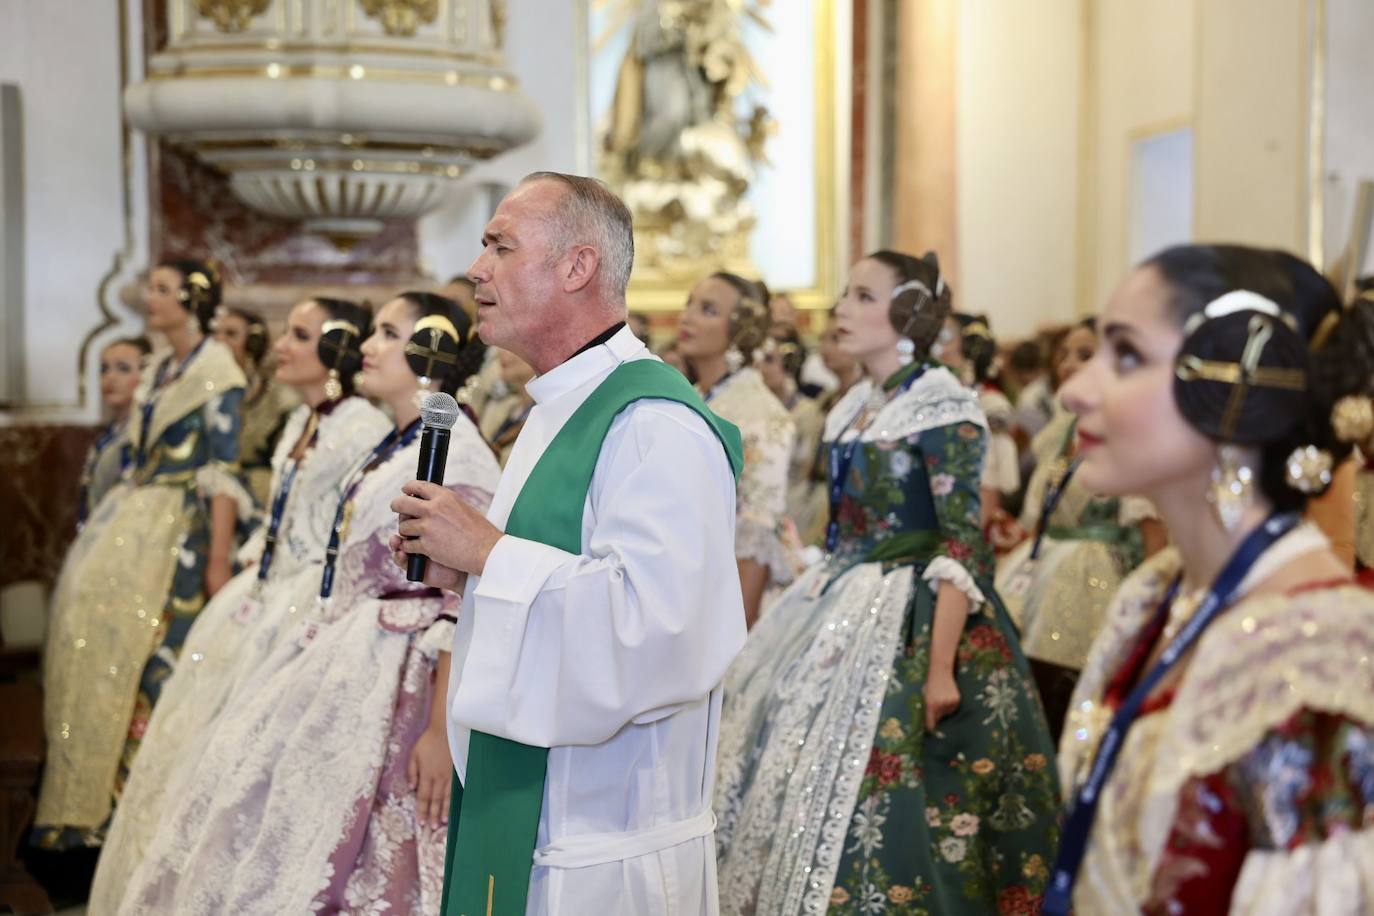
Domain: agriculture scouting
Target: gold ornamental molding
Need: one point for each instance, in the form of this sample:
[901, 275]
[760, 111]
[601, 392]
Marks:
[352, 72]
[498, 22]
[402, 17]
[231, 15]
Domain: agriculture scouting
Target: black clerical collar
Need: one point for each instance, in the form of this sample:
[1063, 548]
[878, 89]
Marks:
[600, 339]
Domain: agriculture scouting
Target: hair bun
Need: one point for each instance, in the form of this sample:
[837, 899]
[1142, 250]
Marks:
[432, 351]
[1242, 378]
[340, 346]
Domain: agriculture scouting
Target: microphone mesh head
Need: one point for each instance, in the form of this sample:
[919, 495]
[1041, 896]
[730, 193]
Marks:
[439, 409]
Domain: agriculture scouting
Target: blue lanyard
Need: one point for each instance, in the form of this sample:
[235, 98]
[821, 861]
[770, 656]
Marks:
[151, 404]
[842, 457]
[274, 525]
[1052, 497]
[394, 441]
[1073, 844]
[715, 389]
[279, 501]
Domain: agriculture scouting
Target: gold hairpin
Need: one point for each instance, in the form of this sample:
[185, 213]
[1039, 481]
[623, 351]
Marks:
[1243, 375]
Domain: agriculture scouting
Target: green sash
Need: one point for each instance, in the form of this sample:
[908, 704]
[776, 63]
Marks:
[494, 819]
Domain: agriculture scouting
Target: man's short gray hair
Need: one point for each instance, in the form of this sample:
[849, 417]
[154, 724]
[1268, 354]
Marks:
[591, 214]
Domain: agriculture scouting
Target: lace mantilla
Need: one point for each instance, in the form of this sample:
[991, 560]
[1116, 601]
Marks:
[803, 775]
[936, 399]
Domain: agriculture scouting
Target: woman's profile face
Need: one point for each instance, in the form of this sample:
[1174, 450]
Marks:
[704, 328]
[862, 326]
[120, 364]
[232, 331]
[386, 374]
[161, 299]
[1131, 436]
[1073, 353]
[296, 351]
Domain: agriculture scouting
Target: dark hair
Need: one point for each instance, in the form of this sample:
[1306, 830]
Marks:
[255, 341]
[917, 314]
[200, 292]
[1026, 357]
[349, 362]
[139, 343]
[471, 350]
[791, 351]
[1274, 419]
[750, 319]
[642, 317]
[979, 346]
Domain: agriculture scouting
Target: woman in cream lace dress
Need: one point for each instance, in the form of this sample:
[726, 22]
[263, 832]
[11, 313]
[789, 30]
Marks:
[322, 442]
[323, 783]
[724, 322]
[1221, 742]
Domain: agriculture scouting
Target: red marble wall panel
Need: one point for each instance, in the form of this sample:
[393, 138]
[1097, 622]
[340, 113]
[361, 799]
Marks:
[40, 474]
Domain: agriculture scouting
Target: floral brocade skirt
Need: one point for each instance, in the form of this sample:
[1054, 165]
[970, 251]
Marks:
[962, 820]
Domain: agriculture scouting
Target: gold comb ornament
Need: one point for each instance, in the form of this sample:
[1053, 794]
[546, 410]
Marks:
[338, 341]
[1244, 375]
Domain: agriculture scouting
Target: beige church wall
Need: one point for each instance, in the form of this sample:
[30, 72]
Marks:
[1019, 71]
[1052, 98]
[1349, 119]
[1251, 121]
[925, 169]
[75, 216]
[1139, 83]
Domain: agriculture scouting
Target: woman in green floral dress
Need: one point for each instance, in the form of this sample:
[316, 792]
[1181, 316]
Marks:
[882, 749]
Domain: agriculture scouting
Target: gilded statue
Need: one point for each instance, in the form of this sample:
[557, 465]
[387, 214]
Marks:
[676, 143]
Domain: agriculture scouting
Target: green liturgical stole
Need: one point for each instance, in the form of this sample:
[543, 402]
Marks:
[494, 818]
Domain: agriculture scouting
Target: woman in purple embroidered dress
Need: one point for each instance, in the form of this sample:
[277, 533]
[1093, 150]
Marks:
[324, 785]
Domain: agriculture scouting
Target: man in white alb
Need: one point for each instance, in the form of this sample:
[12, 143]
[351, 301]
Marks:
[601, 599]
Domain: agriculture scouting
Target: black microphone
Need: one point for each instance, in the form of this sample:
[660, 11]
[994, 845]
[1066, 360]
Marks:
[439, 412]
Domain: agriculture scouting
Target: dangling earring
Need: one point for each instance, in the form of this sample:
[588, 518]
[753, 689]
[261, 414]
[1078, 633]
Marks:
[906, 351]
[1231, 490]
[333, 388]
[422, 392]
[734, 359]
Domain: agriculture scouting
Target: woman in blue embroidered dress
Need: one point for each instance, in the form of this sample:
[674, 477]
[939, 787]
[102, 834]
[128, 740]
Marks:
[882, 749]
[155, 549]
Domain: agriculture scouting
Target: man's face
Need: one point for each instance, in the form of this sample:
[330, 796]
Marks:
[517, 274]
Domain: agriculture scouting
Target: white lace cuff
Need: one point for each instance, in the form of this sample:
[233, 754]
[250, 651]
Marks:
[1333, 876]
[1135, 509]
[438, 638]
[251, 551]
[944, 569]
[217, 480]
[758, 542]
